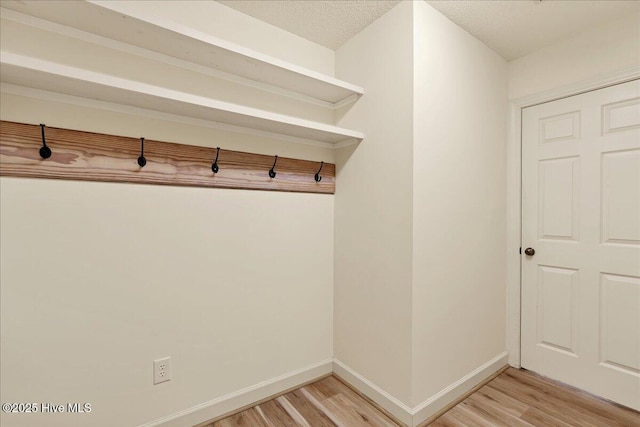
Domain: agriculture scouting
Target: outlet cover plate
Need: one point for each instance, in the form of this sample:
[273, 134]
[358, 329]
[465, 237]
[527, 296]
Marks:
[161, 370]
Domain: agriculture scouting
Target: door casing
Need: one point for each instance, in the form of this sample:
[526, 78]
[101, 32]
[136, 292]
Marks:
[514, 193]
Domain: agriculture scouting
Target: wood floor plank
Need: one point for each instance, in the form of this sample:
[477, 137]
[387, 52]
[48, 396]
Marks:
[312, 414]
[444, 421]
[270, 423]
[463, 417]
[548, 404]
[448, 419]
[577, 398]
[506, 402]
[273, 412]
[492, 411]
[293, 412]
[562, 402]
[542, 419]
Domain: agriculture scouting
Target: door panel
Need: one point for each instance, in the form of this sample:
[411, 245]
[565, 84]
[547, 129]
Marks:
[620, 332]
[557, 308]
[581, 213]
[620, 187]
[559, 197]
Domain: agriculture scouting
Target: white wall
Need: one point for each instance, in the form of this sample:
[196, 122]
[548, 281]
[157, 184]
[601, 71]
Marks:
[373, 217]
[420, 208]
[99, 279]
[603, 49]
[459, 203]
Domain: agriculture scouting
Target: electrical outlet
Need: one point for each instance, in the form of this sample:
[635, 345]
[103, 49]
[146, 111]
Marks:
[161, 370]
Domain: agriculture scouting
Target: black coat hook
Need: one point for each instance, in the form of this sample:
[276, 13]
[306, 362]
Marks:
[45, 152]
[317, 176]
[141, 160]
[214, 166]
[272, 172]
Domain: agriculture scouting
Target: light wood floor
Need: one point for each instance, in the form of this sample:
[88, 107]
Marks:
[512, 399]
[522, 398]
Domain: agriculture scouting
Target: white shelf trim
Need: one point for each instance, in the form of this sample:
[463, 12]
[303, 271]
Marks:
[45, 95]
[166, 38]
[85, 36]
[45, 75]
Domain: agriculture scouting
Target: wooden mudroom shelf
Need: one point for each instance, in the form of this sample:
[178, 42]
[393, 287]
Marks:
[119, 22]
[87, 156]
[39, 74]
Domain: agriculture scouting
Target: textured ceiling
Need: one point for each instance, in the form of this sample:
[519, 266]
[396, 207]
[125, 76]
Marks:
[329, 23]
[513, 28]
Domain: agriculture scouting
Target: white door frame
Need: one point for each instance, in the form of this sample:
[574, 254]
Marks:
[514, 193]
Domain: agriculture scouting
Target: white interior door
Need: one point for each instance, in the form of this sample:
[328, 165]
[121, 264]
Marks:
[581, 215]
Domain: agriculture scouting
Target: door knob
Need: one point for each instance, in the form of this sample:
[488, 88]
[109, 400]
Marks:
[529, 252]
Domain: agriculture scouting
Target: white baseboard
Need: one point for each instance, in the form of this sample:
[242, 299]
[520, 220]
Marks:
[409, 416]
[233, 401]
[415, 416]
[386, 401]
[450, 394]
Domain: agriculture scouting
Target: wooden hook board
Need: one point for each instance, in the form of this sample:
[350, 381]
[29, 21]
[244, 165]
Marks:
[87, 156]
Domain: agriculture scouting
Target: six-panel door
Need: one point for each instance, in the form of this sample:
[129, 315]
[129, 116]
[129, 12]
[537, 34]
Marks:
[581, 214]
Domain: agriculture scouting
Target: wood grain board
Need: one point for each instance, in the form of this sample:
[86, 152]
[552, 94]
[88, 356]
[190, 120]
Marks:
[87, 156]
[514, 398]
[522, 398]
